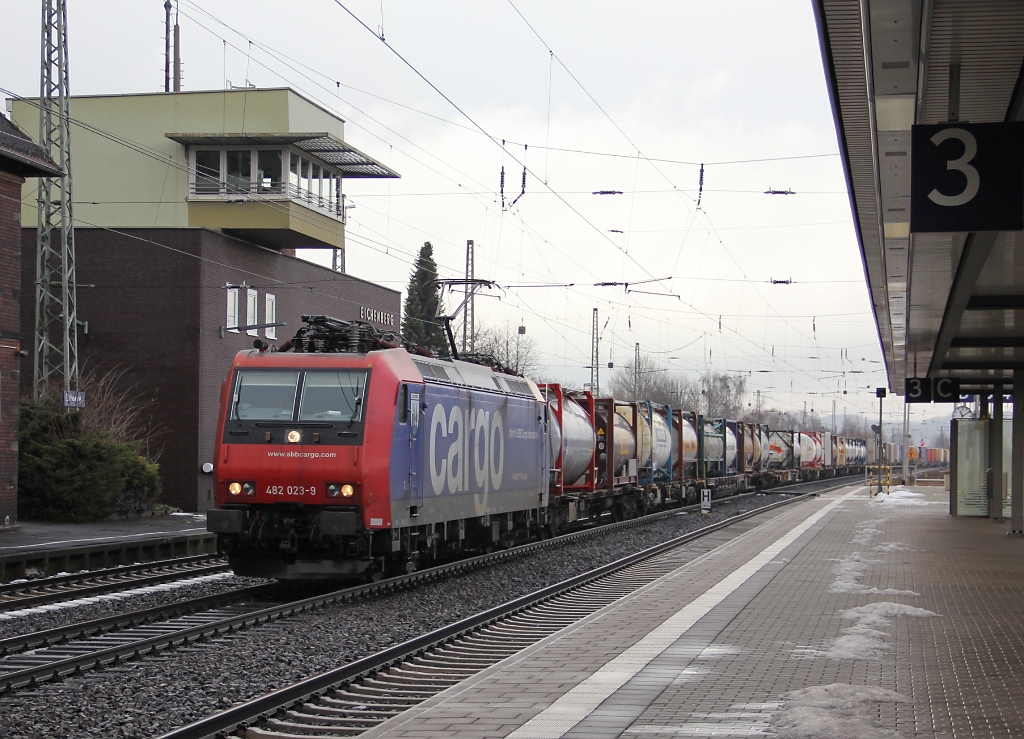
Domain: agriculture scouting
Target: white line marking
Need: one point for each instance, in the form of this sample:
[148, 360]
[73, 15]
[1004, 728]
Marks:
[125, 537]
[562, 715]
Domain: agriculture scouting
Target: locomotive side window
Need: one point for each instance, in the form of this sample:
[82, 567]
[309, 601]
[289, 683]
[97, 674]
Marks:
[264, 396]
[333, 395]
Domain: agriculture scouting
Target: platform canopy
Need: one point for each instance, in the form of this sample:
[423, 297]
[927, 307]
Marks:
[948, 293]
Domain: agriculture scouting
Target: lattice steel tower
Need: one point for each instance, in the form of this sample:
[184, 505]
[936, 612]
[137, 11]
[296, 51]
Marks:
[595, 375]
[469, 317]
[56, 337]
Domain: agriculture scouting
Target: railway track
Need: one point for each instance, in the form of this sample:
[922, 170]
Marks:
[43, 591]
[355, 697]
[28, 660]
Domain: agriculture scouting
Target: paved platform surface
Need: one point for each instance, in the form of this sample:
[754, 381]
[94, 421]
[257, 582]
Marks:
[30, 549]
[843, 617]
[29, 535]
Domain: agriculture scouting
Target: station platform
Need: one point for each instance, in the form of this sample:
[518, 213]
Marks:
[33, 549]
[843, 616]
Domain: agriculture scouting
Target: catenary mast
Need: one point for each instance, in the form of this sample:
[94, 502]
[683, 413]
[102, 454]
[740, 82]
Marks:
[56, 338]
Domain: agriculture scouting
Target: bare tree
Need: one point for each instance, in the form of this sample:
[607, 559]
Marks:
[511, 349]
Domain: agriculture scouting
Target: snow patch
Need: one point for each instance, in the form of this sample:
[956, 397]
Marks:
[851, 569]
[837, 711]
[865, 640]
[892, 546]
[867, 531]
[899, 495]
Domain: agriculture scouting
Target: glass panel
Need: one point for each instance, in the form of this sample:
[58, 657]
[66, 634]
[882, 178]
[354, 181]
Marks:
[264, 396]
[314, 183]
[293, 179]
[268, 170]
[239, 170]
[304, 178]
[207, 171]
[971, 465]
[271, 316]
[333, 395]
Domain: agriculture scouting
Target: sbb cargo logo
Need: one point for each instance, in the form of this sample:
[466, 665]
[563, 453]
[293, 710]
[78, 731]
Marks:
[467, 450]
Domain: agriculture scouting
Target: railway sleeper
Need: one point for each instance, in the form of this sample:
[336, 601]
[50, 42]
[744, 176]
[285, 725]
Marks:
[355, 708]
[302, 717]
[307, 730]
[416, 678]
[361, 694]
[375, 686]
[347, 713]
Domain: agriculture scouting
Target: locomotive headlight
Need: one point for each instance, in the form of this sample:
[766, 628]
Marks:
[242, 488]
[333, 489]
[347, 491]
[294, 436]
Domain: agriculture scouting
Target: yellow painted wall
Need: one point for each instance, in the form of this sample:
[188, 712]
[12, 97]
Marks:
[116, 186]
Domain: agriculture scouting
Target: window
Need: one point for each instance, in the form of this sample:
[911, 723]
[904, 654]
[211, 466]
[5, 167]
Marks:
[232, 318]
[264, 396]
[207, 171]
[304, 178]
[293, 178]
[239, 170]
[251, 316]
[268, 170]
[332, 395]
[270, 316]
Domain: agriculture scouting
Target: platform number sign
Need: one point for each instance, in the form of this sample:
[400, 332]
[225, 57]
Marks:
[932, 390]
[967, 177]
[705, 500]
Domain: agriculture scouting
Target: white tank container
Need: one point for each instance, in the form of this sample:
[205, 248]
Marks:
[655, 442]
[713, 446]
[576, 439]
[688, 455]
[625, 444]
[806, 449]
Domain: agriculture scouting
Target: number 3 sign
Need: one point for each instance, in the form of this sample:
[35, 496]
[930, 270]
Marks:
[967, 177]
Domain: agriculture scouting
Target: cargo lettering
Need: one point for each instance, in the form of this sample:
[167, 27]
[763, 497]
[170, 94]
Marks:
[467, 450]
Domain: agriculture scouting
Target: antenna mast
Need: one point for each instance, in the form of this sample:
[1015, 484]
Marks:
[56, 337]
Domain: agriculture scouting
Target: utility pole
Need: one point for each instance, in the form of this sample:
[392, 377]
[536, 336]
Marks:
[880, 457]
[636, 373]
[469, 317]
[167, 46]
[56, 337]
[594, 358]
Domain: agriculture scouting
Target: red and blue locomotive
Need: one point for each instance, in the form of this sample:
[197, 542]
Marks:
[345, 454]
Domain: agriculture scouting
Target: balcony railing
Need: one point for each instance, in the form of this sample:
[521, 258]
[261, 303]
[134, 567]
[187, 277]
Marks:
[256, 192]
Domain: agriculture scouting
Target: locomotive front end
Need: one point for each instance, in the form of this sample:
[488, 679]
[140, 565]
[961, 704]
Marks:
[295, 492]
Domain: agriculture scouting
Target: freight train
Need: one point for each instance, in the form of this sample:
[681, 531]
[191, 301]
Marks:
[348, 453]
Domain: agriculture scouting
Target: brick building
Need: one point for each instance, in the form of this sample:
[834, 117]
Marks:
[188, 209]
[20, 158]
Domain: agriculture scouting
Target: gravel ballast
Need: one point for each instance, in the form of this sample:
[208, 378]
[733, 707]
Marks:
[148, 697]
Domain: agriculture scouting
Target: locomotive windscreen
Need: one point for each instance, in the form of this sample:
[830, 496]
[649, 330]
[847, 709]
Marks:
[332, 395]
[293, 395]
[264, 395]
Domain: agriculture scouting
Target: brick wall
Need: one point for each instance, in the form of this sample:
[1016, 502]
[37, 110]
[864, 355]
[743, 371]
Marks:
[10, 298]
[156, 307]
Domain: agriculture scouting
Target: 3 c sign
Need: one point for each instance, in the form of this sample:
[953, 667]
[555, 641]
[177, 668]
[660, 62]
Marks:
[931, 389]
[967, 177]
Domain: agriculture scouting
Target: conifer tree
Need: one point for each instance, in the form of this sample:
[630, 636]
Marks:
[422, 303]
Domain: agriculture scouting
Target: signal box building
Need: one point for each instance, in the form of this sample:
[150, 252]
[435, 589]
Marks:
[20, 158]
[188, 209]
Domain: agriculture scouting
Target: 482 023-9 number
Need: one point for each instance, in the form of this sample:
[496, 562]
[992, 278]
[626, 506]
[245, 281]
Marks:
[292, 490]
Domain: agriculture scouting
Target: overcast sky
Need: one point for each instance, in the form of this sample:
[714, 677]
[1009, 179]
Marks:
[590, 96]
